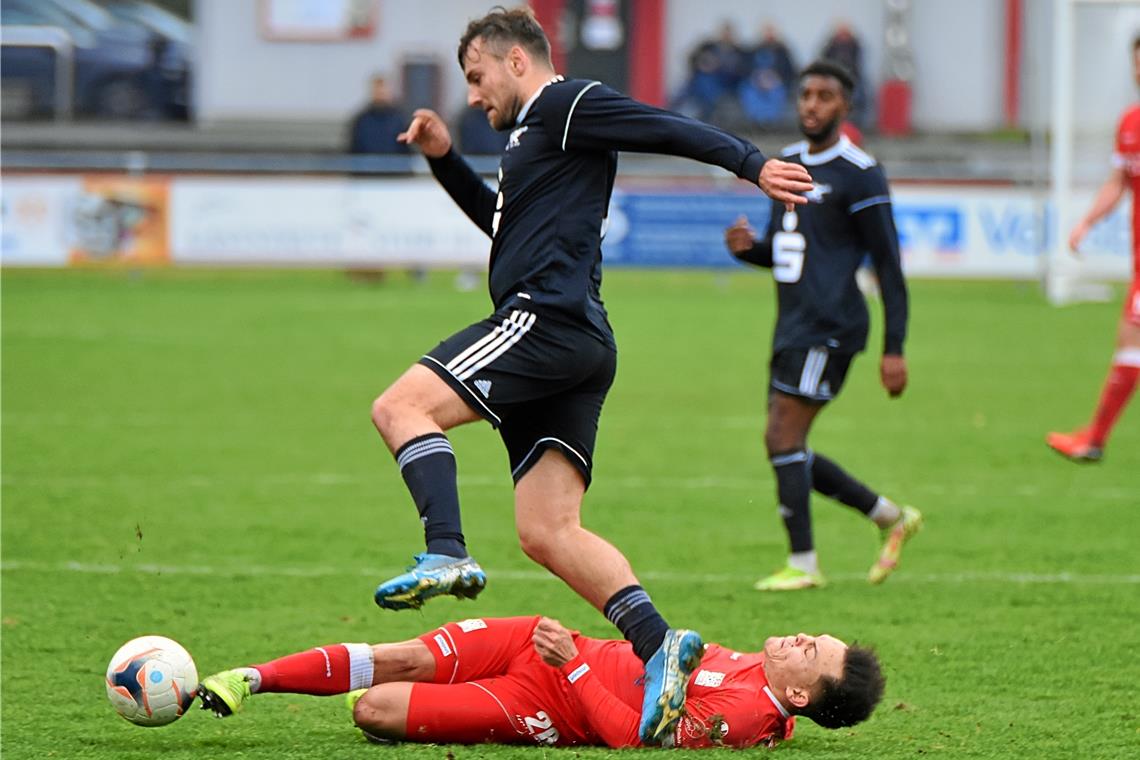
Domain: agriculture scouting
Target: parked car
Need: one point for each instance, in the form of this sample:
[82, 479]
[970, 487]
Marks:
[176, 57]
[115, 65]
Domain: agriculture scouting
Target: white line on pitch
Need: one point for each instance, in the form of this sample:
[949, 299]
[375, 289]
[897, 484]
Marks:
[530, 576]
[697, 482]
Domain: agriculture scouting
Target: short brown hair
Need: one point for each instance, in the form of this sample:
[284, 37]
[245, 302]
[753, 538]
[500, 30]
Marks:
[851, 699]
[502, 28]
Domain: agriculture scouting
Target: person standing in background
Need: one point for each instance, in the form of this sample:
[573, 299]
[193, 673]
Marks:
[374, 128]
[1087, 444]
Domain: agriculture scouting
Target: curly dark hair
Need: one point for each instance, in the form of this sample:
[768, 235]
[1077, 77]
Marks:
[824, 67]
[851, 699]
[502, 28]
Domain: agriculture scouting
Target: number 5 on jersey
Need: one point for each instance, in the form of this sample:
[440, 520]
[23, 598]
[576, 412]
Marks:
[788, 249]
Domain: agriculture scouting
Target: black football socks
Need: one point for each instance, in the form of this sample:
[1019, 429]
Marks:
[428, 466]
[632, 611]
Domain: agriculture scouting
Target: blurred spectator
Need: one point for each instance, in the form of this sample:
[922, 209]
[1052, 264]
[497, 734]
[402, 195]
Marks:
[843, 47]
[715, 70]
[477, 136]
[765, 94]
[375, 127]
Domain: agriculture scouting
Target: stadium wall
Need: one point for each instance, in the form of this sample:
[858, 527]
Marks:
[243, 76]
[61, 220]
[1102, 41]
[940, 30]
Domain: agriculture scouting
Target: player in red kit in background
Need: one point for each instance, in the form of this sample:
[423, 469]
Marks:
[528, 680]
[1087, 444]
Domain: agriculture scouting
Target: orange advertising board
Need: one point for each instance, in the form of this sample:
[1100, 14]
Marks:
[121, 220]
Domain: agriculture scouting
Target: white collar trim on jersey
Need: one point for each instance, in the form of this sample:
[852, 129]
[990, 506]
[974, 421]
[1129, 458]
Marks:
[776, 702]
[832, 153]
[526, 106]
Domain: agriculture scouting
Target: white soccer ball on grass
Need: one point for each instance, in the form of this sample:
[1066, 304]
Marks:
[151, 680]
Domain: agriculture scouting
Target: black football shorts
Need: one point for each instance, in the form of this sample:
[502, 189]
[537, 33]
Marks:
[540, 380]
[813, 374]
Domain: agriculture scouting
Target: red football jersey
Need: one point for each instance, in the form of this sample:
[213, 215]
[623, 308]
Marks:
[508, 695]
[729, 702]
[1127, 157]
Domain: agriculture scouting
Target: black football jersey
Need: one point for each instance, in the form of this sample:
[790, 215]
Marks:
[556, 176]
[815, 250]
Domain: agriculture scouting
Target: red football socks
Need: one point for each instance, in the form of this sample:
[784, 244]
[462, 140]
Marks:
[322, 671]
[1117, 390]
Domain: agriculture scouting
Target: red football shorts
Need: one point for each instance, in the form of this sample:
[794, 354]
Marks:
[1132, 303]
[488, 686]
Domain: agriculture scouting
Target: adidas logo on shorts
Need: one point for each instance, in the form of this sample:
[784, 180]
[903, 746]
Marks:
[484, 387]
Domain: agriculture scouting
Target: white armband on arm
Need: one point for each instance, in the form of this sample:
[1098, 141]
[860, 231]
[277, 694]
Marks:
[578, 672]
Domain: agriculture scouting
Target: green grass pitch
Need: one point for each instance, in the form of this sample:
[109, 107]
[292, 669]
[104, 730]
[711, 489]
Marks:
[190, 453]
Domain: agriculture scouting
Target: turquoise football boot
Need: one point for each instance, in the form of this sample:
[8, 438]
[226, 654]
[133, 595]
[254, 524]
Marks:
[666, 679]
[432, 575]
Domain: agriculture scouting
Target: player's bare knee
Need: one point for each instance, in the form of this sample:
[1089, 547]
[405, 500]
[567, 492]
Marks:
[778, 438]
[538, 543]
[378, 714]
[383, 413]
[533, 546]
[390, 417]
[771, 440]
[1128, 335]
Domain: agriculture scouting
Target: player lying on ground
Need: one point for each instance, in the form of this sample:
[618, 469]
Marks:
[814, 253]
[1087, 444]
[540, 366]
[528, 679]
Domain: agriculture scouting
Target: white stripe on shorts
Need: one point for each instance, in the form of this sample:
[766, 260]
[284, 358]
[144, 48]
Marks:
[539, 442]
[494, 335]
[492, 351]
[813, 369]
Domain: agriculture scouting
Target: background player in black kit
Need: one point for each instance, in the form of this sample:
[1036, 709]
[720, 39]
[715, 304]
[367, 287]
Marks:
[539, 367]
[814, 252]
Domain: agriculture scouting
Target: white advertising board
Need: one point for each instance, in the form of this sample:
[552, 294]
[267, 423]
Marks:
[999, 233]
[944, 231]
[320, 221]
[35, 219]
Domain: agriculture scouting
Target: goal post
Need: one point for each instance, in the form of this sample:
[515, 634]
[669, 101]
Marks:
[1069, 278]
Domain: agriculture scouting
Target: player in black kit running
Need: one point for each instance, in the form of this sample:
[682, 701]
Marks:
[539, 367]
[814, 252]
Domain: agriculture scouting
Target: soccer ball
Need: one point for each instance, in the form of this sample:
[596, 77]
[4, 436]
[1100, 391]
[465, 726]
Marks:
[151, 680]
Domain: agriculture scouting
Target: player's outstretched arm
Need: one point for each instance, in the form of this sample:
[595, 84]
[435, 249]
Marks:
[599, 118]
[1106, 199]
[740, 239]
[466, 188]
[613, 720]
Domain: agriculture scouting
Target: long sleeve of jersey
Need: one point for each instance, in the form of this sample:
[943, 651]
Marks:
[600, 118]
[876, 224]
[466, 188]
[760, 254]
[613, 720]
